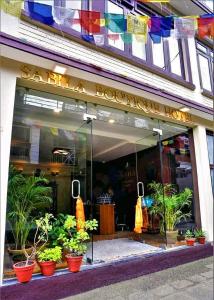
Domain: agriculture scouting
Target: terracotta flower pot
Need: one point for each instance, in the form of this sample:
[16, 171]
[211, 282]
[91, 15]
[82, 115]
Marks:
[47, 267]
[190, 242]
[201, 240]
[74, 262]
[23, 272]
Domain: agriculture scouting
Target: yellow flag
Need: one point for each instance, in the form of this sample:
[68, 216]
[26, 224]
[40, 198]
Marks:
[195, 20]
[137, 25]
[11, 7]
[54, 131]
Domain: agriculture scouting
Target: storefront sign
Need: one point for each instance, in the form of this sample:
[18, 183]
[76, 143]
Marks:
[106, 93]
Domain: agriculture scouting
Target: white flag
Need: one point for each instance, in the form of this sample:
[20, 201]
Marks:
[61, 14]
[184, 28]
[99, 39]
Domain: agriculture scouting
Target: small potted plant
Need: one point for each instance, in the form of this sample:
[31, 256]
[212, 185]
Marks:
[24, 269]
[74, 239]
[190, 239]
[200, 236]
[47, 259]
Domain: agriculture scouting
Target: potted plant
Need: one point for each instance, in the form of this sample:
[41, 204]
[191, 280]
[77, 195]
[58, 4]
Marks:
[75, 240]
[200, 236]
[47, 259]
[172, 207]
[190, 239]
[24, 269]
[26, 195]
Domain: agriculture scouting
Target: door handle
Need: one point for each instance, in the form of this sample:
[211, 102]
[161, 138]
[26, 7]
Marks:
[72, 188]
[138, 189]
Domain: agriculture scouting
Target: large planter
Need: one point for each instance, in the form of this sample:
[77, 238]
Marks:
[74, 262]
[14, 251]
[24, 272]
[171, 236]
[190, 242]
[201, 240]
[47, 267]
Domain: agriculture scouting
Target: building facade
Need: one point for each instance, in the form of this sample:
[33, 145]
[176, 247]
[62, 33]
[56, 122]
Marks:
[52, 78]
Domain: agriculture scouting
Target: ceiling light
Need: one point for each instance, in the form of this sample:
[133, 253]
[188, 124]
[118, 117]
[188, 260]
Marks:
[111, 121]
[61, 151]
[59, 69]
[184, 109]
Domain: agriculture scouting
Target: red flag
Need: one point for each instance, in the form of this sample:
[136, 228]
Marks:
[206, 27]
[90, 21]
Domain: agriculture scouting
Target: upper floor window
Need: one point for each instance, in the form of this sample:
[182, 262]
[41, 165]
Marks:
[205, 66]
[210, 146]
[207, 3]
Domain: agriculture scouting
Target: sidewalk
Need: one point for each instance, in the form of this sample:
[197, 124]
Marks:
[186, 282]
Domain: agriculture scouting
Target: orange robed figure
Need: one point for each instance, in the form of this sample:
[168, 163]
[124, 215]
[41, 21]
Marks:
[80, 215]
[138, 217]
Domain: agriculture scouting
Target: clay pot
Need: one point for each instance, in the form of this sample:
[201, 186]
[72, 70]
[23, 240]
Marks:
[47, 267]
[14, 251]
[201, 240]
[24, 272]
[74, 262]
[190, 242]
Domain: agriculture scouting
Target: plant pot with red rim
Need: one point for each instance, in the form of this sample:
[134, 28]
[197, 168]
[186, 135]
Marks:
[47, 259]
[200, 236]
[75, 240]
[24, 270]
[74, 262]
[190, 239]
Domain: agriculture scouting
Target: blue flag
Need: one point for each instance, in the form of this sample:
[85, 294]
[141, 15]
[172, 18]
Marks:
[41, 12]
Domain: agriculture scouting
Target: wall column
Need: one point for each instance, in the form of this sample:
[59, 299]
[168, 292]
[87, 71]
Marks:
[7, 96]
[204, 180]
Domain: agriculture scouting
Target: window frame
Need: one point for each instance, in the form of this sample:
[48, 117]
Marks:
[210, 133]
[208, 56]
[186, 75]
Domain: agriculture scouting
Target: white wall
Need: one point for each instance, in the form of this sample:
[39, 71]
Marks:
[204, 180]
[7, 96]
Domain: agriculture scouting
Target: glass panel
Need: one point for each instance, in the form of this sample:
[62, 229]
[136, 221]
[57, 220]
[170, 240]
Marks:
[212, 178]
[115, 9]
[205, 73]
[138, 48]
[149, 171]
[210, 145]
[177, 179]
[174, 54]
[158, 54]
[202, 48]
[208, 3]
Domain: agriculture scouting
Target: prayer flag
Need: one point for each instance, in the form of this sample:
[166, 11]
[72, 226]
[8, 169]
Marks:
[184, 28]
[126, 37]
[41, 12]
[160, 27]
[88, 38]
[137, 24]
[11, 7]
[115, 22]
[114, 36]
[61, 14]
[206, 27]
[54, 131]
[99, 39]
[90, 21]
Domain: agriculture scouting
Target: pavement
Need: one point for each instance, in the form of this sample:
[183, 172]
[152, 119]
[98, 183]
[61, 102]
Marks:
[185, 282]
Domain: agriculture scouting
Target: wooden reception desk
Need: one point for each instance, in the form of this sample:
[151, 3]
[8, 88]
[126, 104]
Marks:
[106, 212]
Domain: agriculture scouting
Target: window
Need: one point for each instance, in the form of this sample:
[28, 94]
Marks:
[158, 54]
[174, 56]
[205, 66]
[207, 3]
[210, 146]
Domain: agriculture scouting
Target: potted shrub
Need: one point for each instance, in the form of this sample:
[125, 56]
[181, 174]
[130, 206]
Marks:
[47, 259]
[200, 236]
[169, 205]
[75, 241]
[24, 269]
[190, 239]
[26, 195]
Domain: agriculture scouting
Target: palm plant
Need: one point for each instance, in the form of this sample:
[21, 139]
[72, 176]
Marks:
[170, 205]
[26, 195]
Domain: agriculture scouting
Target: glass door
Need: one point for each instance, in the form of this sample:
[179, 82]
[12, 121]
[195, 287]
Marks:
[82, 174]
[149, 177]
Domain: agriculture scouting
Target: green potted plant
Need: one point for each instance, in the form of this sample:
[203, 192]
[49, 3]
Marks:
[170, 206]
[190, 239]
[24, 269]
[47, 259]
[200, 236]
[75, 242]
[26, 196]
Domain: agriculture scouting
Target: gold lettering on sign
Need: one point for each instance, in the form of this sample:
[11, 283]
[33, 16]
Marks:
[103, 92]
